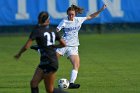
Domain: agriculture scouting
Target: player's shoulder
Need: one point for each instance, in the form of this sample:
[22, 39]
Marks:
[35, 29]
[78, 18]
[39, 29]
[51, 29]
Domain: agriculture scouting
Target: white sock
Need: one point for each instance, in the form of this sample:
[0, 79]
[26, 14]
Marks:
[73, 76]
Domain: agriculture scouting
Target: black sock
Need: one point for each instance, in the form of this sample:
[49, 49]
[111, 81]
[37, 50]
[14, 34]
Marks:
[35, 90]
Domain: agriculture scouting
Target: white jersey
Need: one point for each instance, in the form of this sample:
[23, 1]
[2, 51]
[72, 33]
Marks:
[71, 29]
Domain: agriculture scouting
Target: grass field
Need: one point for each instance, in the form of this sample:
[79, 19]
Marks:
[110, 63]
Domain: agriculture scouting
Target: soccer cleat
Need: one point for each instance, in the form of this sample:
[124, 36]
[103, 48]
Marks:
[74, 86]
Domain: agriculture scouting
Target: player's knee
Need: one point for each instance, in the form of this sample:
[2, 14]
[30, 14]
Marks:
[76, 66]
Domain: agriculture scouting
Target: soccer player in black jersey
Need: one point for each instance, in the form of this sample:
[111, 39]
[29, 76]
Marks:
[45, 39]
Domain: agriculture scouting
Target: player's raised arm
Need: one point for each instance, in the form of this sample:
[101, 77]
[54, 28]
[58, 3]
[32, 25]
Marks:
[96, 13]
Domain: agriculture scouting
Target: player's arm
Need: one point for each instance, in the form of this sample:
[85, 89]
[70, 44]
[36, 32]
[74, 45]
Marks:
[23, 49]
[57, 30]
[60, 26]
[96, 13]
[61, 44]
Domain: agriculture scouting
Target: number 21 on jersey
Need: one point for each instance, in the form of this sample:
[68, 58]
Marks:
[50, 38]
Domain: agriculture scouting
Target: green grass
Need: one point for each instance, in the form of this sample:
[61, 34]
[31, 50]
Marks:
[109, 64]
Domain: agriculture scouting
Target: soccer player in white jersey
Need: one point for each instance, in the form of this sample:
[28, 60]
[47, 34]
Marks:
[71, 26]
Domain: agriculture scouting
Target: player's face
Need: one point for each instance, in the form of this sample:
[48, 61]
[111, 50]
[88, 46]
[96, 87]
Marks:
[71, 14]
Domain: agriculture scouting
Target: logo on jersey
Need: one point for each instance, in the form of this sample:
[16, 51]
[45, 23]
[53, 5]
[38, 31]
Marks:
[72, 28]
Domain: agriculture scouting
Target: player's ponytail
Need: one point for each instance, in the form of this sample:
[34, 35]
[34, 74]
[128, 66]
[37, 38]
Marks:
[42, 17]
[78, 10]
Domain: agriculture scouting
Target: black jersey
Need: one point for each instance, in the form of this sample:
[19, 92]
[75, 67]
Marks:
[45, 39]
[44, 36]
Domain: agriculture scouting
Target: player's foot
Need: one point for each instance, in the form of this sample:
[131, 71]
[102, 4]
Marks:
[74, 86]
[35, 47]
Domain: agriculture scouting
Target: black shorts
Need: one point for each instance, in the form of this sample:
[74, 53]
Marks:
[47, 68]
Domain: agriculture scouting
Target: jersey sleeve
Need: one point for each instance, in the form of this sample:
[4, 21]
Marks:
[81, 19]
[61, 25]
[33, 35]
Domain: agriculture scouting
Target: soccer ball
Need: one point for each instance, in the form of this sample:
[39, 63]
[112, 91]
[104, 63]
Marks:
[63, 83]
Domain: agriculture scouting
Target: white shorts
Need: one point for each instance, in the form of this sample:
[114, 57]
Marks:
[68, 51]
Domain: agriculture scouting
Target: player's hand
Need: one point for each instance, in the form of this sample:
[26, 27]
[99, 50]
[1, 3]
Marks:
[17, 56]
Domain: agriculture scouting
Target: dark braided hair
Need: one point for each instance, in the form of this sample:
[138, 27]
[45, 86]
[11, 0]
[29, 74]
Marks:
[75, 8]
[43, 16]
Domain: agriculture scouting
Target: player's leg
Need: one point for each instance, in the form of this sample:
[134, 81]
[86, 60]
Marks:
[76, 64]
[75, 60]
[58, 55]
[49, 75]
[49, 82]
[38, 75]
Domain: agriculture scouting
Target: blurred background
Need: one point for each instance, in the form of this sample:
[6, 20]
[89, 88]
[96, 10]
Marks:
[20, 16]
[109, 50]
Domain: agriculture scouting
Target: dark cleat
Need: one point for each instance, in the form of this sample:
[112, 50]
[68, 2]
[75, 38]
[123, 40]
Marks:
[74, 86]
